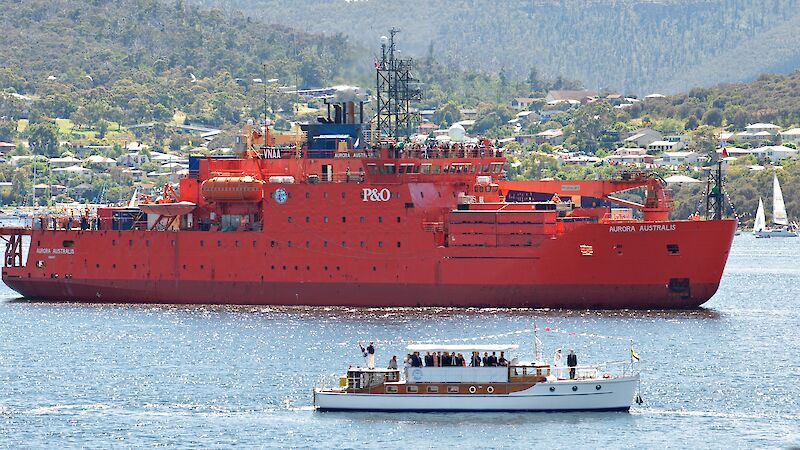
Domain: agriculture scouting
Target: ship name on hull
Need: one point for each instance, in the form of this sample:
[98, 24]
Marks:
[55, 251]
[641, 228]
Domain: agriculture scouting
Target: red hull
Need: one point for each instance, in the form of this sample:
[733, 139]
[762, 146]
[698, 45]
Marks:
[629, 267]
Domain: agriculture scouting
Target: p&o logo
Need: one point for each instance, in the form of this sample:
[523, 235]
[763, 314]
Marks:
[375, 195]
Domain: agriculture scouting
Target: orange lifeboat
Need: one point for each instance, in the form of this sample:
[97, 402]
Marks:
[232, 189]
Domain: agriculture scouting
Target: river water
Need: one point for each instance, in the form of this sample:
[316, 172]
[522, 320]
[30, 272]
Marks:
[77, 375]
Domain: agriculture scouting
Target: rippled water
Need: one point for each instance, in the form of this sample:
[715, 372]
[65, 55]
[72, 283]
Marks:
[114, 375]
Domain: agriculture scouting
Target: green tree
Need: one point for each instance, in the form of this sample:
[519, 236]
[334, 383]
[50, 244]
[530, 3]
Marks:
[713, 117]
[8, 130]
[43, 139]
[447, 114]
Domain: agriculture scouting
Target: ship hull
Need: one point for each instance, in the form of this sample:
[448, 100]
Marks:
[578, 395]
[627, 267]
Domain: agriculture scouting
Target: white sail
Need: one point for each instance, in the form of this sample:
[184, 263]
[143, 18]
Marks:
[778, 207]
[761, 221]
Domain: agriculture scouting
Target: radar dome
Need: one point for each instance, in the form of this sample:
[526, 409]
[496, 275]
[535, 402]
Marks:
[384, 40]
[456, 133]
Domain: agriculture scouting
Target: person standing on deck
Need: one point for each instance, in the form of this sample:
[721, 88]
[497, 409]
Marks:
[371, 355]
[557, 363]
[572, 361]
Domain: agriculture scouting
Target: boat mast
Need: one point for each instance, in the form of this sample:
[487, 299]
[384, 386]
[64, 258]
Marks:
[715, 198]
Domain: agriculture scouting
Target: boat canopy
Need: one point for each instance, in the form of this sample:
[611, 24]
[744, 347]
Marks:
[462, 347]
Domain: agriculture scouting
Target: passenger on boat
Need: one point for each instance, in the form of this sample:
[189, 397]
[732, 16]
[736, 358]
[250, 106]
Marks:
[416, 361]
[502, 361]
[428, 359]
[572, 361]
[371, 355]
[393, 363]
[476, 359]
[493, 360]
[485, 359]
[557, 363]
[445, 359]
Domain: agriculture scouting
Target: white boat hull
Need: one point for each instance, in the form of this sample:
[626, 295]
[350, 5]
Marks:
[780, 232]
[614, 394]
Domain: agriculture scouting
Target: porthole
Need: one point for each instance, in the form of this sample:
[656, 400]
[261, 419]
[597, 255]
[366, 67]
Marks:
[574, 388]
[598, 387]
[552, 388]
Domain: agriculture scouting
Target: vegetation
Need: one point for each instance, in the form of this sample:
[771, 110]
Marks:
[633, 46]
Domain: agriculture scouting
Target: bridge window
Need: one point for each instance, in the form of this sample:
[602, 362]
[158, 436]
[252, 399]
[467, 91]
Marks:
[372, 168]
[426, 168]
[437, 169]
[390, 169]
[485, 168]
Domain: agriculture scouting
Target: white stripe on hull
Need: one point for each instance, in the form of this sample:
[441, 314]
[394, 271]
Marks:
[614, 394]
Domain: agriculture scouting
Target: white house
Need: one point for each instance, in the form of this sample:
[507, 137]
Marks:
[759, 127]
[777, 152]
[792, 135]
[664, 146]
[133, 159]
[101, 162]
[74, 171]
[678, 158]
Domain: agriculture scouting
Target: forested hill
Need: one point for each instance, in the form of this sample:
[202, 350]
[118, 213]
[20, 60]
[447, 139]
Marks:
[144, 59]
[636, 46]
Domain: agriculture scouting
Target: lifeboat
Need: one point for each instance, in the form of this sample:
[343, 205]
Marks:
[232, 189]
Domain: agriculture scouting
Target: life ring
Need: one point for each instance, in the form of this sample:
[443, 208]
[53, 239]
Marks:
[472, 390]
[490, 389]
[606, 375]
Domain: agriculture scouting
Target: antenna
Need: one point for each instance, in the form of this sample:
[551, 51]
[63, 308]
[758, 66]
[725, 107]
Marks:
[395, 93]
[715, 197]
[264, 82]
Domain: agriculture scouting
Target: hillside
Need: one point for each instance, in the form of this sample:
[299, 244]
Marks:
[139, 60]
[635, 46]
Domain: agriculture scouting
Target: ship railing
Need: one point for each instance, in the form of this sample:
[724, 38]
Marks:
[613, 369]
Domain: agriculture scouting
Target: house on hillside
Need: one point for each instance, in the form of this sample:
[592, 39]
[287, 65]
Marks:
[101, 162]
[726, 139]
[553, 136]
[678, 159]
[523, 102]
[582, 96]
[656, 147]
[133, 159]
[427, 128]
[630, 156]
[60, 163]
[777, 152]
[643, 137]
[468, 113]
[792, 136]
[759, 127]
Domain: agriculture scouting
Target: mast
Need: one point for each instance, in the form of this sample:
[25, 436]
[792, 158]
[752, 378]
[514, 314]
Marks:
[715, 197]
[395, 90]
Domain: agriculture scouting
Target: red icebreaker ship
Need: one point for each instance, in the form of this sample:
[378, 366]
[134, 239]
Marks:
[332, 221]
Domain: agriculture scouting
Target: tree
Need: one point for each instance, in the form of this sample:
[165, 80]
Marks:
[447, 114]
[43, 139]
[8, 130]
[590, 121]
[691, 123]
[713, 117]
[704, 141]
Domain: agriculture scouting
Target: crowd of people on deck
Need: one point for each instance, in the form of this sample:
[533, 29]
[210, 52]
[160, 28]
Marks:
[448, 359]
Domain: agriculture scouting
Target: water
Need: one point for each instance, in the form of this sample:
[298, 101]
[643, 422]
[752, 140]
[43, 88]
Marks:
[208, 377]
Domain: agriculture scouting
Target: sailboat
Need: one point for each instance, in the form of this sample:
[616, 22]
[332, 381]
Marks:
[779, 216]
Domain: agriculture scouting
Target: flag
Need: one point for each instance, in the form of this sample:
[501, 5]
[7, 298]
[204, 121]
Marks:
[724, 152]
[587, 250]
[634, 356]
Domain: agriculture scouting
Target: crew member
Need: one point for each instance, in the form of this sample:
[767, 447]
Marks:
[393, 363]
[428, 359]
[557, 362]
[371, 355]
[572, 361]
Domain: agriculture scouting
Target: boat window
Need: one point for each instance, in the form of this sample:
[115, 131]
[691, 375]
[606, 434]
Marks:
[446, 168]
[402, 168]
[68, 244]
[382, 170]
[391, 389]
[437, 169]
[485, 168]
[362, 219]
[452, 389]
[373, 169]
[426, 168]
[390, 169]
[673, 249]
[380, 244]
[433, 389]
[498, 167]
[325, 219]
[472, 168]
[412, 389]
